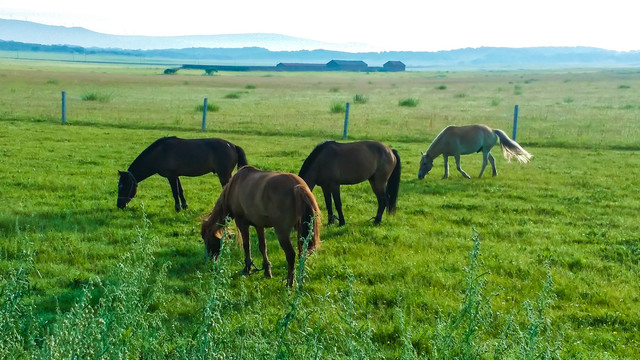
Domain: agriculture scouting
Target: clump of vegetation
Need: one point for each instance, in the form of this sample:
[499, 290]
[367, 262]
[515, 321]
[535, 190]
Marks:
[458, 336]
[360, 99]
[624, 87]
[568, 100]
[441, 87]
[338, 107]
[460, 95]
[334, 90]
[124, 315]
[233, 95]
[53, 82]
[409, 102]
[96, 96]
[210, 107]
[495, 102]
[517, 90]
[250, 87]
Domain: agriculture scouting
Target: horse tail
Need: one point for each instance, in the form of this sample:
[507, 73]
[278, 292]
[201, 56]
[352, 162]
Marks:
[511, 149]
[307, 210]
[393, 185]
[242, 157]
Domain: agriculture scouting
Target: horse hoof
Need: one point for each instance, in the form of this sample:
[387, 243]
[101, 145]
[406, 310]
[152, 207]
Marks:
[185, 207]
[267, 274]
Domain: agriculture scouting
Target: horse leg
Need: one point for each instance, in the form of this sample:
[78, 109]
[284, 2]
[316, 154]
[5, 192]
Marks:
[446, 166]
[290, 254]
[378, 189]
[181, 195]
[485, 157]
[224, 176]
[459, 168]
[336, 199]
[173, 182]
[493, 164]
[262, 244]
[243, 227]
[327, 201]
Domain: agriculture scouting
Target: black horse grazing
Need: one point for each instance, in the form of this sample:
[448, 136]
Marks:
[331, 164]
[172, 157]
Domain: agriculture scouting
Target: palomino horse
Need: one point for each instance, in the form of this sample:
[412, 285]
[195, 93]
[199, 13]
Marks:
[172, 157]
[264, 199]
[461, 140]
[331, 164]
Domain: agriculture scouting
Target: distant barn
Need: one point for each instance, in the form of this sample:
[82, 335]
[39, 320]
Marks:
[347, 65]
[333, 65]
[394, 66]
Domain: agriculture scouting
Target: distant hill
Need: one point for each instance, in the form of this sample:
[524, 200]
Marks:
[269, 50]
[30, 32]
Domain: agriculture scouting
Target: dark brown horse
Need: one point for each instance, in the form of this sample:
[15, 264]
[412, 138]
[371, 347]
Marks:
[264, 199]
[332, 164]
[172, 157]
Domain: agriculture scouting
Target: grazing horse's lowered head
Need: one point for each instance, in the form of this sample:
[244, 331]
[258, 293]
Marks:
[127, 188]
[426, 164]
[212, 237]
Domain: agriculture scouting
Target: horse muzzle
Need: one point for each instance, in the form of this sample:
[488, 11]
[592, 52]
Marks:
[122, 202]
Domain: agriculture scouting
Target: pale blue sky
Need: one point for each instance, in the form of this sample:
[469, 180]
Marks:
[384, 25]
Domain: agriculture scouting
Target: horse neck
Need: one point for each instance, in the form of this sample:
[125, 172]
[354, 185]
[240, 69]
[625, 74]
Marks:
[435, 149]
[310, 178]
[140, 168]
[220, 210]
[308, 174]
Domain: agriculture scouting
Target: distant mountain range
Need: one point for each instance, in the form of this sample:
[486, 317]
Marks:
[30, 32]
[270, 49]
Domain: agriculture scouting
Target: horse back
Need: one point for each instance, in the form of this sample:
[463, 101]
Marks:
[264, 198]
[461, 140]
[194, 157]
[351, 163]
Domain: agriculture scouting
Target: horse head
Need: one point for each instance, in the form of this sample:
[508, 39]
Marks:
[127, 188]
[426, 164]
[212, 236]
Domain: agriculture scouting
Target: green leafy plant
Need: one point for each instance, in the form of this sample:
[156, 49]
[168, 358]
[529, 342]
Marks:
[409, 102]
[338, 107]
[360, 99]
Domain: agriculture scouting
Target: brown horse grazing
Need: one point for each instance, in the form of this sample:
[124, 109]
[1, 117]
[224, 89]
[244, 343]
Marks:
[172, 157]
[331, 164]
[264, 199]
[461, 140]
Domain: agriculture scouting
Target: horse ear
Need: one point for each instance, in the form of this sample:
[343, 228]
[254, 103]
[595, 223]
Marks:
[421, 153]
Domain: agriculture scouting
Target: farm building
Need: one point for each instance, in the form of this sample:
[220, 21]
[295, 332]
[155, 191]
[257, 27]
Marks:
[394, 66]
[333, 65]
[347, 65]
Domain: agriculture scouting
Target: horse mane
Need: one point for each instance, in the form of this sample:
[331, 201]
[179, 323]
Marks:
[150, 149]
[436, 142]
[216, 217]
[308, 162]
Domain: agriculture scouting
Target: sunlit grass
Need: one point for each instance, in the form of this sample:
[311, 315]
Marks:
[398, 282]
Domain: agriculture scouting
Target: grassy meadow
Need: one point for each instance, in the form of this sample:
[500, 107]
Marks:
[542, 261]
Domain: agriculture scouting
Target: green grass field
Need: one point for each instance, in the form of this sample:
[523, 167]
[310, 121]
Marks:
[542, 261]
